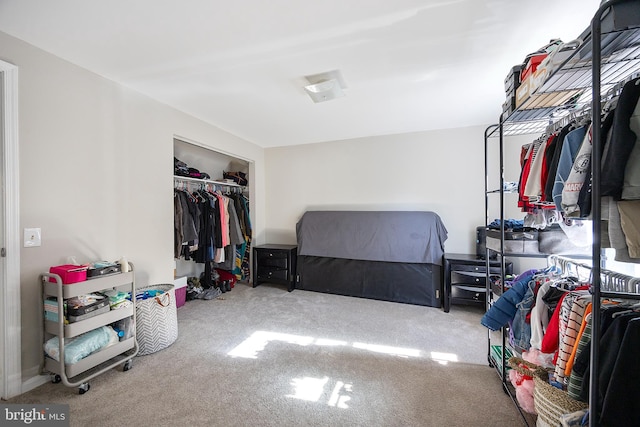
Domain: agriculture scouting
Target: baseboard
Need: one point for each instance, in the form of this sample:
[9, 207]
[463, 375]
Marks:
[35, 380]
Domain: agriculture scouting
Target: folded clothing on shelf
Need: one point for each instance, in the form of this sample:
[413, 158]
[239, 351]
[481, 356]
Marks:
[77, 348]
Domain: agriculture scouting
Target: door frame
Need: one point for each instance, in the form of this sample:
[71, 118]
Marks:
[10, 324]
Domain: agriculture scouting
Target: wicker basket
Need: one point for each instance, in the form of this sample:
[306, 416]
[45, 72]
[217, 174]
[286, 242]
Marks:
[524, 394]
[551, 402]
[523, 367]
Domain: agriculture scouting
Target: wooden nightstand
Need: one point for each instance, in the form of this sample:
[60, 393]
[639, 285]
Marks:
[274, 263]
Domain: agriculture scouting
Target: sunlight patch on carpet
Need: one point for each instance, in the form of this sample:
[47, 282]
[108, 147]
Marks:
[444, 358]
[314, 390]
[387, 349]
[257, 342]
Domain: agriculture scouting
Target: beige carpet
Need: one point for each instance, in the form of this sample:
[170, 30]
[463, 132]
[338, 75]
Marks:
[267, 357]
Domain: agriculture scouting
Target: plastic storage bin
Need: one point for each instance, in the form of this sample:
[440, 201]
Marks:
[69, 273]
[180, 284]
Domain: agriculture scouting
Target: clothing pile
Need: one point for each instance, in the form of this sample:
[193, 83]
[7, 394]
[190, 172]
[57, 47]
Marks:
[180, 168]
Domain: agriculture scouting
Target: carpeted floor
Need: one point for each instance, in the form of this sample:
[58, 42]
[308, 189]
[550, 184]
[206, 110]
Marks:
[266, 357]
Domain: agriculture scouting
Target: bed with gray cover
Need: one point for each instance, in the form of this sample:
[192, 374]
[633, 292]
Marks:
[385, 255]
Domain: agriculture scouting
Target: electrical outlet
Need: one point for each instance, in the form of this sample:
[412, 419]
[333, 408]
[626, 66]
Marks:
[32, 237]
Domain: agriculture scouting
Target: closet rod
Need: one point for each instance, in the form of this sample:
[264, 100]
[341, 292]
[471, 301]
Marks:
[203, 182]
[207, 181]
[614, 284]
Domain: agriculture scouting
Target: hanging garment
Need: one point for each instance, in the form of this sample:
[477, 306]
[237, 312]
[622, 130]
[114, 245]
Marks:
[630, 223]
[606, 321]
[540, 316]
[178, 236]
[580, 361]
[572, 357]
[623, 389]
[570, 147]
[505, 307]
[551, 337]
[580, 170]
[524, 175]
[235, 238]
[533, 189]
[631, 185]
[550, 150]
[553, 165]
[618, 149]
[614, 231]
[569, 329]
[584, 198]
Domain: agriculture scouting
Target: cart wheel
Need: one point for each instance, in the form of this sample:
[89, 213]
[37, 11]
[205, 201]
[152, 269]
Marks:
[127, 365]
[55, 378]
[83, 388]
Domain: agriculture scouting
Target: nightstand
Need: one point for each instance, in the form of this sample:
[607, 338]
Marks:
[273, 263]
[465, 279]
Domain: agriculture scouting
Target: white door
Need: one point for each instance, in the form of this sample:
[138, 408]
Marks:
[10, 342]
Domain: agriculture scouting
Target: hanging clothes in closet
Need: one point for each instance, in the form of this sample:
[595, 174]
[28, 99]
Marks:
[211, 228]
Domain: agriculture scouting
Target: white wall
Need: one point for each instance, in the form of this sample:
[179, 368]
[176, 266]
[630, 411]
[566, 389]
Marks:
[512, 168]
[96, 167]
[440, 171]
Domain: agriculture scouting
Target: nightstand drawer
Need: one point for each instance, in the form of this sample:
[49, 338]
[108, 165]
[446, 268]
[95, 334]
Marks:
[268, 273]
[468, 277]
[273, 259]
[477, 268]
[468, 293]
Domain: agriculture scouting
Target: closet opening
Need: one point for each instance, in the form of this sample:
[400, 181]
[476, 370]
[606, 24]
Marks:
[212, 219]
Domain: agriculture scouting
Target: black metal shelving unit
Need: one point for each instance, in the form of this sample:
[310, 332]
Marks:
[608, 56]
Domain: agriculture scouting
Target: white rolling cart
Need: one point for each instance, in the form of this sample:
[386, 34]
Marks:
[78, 374]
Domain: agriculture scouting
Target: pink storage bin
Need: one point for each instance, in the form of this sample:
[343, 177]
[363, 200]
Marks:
[180, 284]
[181, 296]
[69, 273]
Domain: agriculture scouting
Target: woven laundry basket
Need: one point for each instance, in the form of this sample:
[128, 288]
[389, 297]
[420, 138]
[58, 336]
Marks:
[156, 320]
[551, 402]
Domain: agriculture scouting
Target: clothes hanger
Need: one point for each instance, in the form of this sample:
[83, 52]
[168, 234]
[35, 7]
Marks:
[633, 308]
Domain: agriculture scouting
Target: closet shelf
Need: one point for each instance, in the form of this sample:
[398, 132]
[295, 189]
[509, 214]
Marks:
[568, 88]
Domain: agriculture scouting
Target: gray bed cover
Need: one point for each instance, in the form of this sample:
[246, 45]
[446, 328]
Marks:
[391, 236]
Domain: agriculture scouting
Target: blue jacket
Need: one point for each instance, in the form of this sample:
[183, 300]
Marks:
[504, 309]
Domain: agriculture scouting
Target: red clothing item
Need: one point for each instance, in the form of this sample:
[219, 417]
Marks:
[551, 338]
[545, 165]
[526, 167]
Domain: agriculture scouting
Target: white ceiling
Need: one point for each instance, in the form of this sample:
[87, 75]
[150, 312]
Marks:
[410, 65]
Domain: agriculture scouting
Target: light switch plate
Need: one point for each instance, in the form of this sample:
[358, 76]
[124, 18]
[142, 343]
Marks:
[32, 237]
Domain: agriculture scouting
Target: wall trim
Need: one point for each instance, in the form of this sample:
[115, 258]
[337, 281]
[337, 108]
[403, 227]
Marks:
[10, 323]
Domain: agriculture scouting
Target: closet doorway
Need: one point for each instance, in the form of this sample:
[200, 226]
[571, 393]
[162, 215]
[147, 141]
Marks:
[10, 340]
[214, 163]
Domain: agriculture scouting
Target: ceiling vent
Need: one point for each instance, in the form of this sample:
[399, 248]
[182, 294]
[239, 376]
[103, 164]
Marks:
[325, 86]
